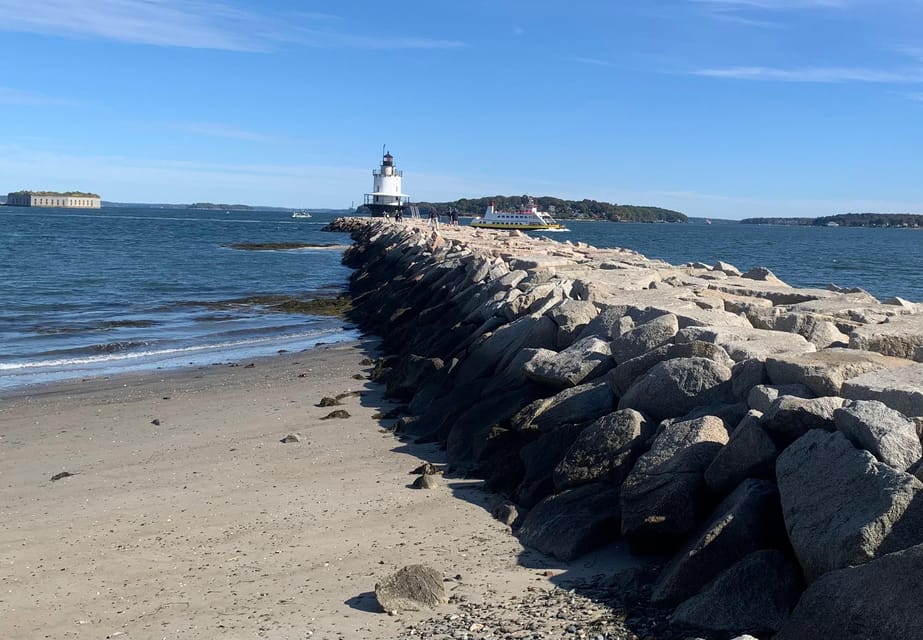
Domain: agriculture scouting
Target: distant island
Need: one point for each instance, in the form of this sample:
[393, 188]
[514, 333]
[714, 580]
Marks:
[222, 207]
[563, 209]
[891, 220]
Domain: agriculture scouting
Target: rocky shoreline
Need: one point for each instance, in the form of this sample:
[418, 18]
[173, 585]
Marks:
[763, 438]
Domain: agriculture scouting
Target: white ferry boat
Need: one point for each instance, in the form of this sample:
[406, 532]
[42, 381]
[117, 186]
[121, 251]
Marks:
[527, 217]
[301, 214]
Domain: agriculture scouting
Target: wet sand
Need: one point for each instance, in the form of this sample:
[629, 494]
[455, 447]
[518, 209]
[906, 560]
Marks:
[206, 525]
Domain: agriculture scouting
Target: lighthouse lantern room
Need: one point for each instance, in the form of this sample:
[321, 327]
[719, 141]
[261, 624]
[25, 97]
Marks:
[386, 198]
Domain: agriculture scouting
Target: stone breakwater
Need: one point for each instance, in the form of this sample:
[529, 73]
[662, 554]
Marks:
[765, 438]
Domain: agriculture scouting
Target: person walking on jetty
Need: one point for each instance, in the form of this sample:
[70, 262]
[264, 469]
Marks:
[453, 216]
[433, 219]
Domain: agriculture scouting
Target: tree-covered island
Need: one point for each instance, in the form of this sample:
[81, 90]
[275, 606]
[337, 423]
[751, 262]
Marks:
[891, 220]
[72, 194]
[557, 207]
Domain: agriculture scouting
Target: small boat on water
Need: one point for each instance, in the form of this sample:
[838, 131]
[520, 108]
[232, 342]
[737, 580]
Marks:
[301, 214]
[526, 218]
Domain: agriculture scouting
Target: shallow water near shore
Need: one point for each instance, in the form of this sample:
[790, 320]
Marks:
[127, 289]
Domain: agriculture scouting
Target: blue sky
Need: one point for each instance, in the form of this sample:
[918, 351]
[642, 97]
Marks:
[720, 108]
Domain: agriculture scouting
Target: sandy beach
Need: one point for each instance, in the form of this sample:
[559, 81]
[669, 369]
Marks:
[186, 517]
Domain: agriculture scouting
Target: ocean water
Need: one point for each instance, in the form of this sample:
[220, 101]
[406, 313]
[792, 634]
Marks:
[884, 262]
[120, 289]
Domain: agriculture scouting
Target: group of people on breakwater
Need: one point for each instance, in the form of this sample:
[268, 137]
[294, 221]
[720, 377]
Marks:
[765, 438]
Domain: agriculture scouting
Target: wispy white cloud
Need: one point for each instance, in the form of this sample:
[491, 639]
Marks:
[776, 5]
[596, 62]
[752, 13]
[31, 99]
[217, 130]
[200, 24]
[814, 74]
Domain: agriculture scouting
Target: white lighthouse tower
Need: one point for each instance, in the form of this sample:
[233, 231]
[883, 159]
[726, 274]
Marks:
[386, 197]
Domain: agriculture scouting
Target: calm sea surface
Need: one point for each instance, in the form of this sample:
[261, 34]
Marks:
[120, 289]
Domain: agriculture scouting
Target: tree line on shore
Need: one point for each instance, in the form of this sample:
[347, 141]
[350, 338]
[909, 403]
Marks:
[906, 220]
[559, 208]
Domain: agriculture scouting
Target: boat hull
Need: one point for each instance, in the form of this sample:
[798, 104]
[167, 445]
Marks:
[509, 226]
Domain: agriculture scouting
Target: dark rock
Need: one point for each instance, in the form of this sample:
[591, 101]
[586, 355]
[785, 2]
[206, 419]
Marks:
[875, 601]
[292, 437]
[62, 475]
[584, 360]
[426, 481]
[664, 495]
[885, 433]
[427, 469]
[540, 458]
[762, 396]
[674, 387]
[790, 417]
[749, 453]
[645, 337]
[748, 520]
[578, 404]
[411, 588]
[745, 375]
[626, 373]
[839, 503]
[328, 402]
[604, 451]
[574, 522]
[339, 413]
[507, 513]
[755, 595]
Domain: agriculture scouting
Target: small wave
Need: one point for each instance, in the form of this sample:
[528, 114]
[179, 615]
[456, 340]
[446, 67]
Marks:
[120, 355]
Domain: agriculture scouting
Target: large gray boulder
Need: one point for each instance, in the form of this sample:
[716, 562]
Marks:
[747, 520]
[626, 373]
[571, 316]
[876, 601]
[901, 389]
[762, 396]
[582, 403]
[665, 493]
[675, 387]
[604, 451]
[750, 453]
[745, 375]
[574, 522]
[743, 343]
[491, 352]
[411, 588]
[539, 459]
[839, 503]
[583, 360]
[898, 336]
[645, 337]
[755, 595]
[824, 372]
[887, 434]
[790, 417]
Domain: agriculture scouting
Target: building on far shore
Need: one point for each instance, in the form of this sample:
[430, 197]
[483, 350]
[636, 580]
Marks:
[67, 199]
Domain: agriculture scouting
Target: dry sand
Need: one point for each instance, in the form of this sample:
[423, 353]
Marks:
[207, 526]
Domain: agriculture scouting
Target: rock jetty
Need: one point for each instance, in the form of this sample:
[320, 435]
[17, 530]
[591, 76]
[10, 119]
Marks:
[764, 438]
